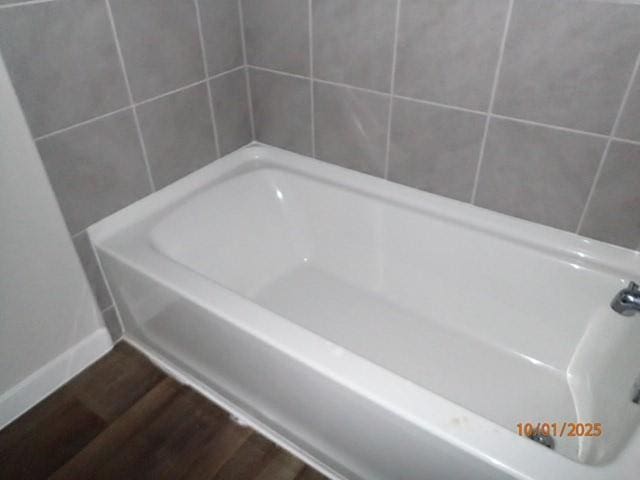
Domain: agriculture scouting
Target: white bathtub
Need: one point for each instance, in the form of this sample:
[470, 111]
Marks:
[379, 331]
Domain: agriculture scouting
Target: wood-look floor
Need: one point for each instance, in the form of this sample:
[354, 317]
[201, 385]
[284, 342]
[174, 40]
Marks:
[122, 418]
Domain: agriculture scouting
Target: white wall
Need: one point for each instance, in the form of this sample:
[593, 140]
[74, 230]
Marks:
[50, 327]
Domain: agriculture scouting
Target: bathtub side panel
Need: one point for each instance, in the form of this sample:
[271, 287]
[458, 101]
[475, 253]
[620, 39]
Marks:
[341, 429]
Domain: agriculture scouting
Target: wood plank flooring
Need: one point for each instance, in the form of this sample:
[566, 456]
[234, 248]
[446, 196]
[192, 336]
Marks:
[123, 418]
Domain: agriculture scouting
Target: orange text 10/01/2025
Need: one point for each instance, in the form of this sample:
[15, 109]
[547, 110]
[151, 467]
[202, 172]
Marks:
[560, 429]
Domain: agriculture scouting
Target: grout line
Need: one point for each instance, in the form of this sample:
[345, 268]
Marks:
[170, 92]
[145, 156]
[392, 88]
[596, 177]
[280, 72]
[494, 89]
[625, 97]
[243, 42]
[20, 4]
[345, 85]
[620, 139]
[614, 128]
[555, 127]
[203, 51]
[319, 80]
[80, 124]
[311, 74]
[250, 102]
[441, 105]
[214, 123]
[222, 74]
[130, 95]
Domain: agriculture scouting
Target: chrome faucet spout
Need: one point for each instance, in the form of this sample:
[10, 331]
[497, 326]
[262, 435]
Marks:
[627, 301]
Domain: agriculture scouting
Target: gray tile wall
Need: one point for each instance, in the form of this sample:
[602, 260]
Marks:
[124, 97]
[526, 107]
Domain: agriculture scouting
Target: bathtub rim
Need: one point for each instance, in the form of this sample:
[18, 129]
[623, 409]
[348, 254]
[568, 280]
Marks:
[519, 465]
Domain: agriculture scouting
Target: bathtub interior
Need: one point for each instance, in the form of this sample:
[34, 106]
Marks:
[493, 324]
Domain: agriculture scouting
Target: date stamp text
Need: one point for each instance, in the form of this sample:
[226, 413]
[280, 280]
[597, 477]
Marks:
[560, 429]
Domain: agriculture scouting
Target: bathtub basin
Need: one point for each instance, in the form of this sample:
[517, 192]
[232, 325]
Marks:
[378, 331]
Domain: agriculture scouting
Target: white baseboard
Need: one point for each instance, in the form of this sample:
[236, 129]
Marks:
[21, 397]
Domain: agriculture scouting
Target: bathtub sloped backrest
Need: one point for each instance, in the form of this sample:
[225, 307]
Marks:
[240, 234]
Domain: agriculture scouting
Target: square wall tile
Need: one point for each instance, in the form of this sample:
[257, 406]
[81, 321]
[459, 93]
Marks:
[91, 269]
[231, 106]
[178, 134]
[63, 62]
[351, 127]
[353, 42]
[448, 50]
[282, 110]
[435, 149]
[538, 173]
[160, 44]
[95, 168]
[222, 34]
[568, 62]
[277, 34]
[613, 214]
[629, 126]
